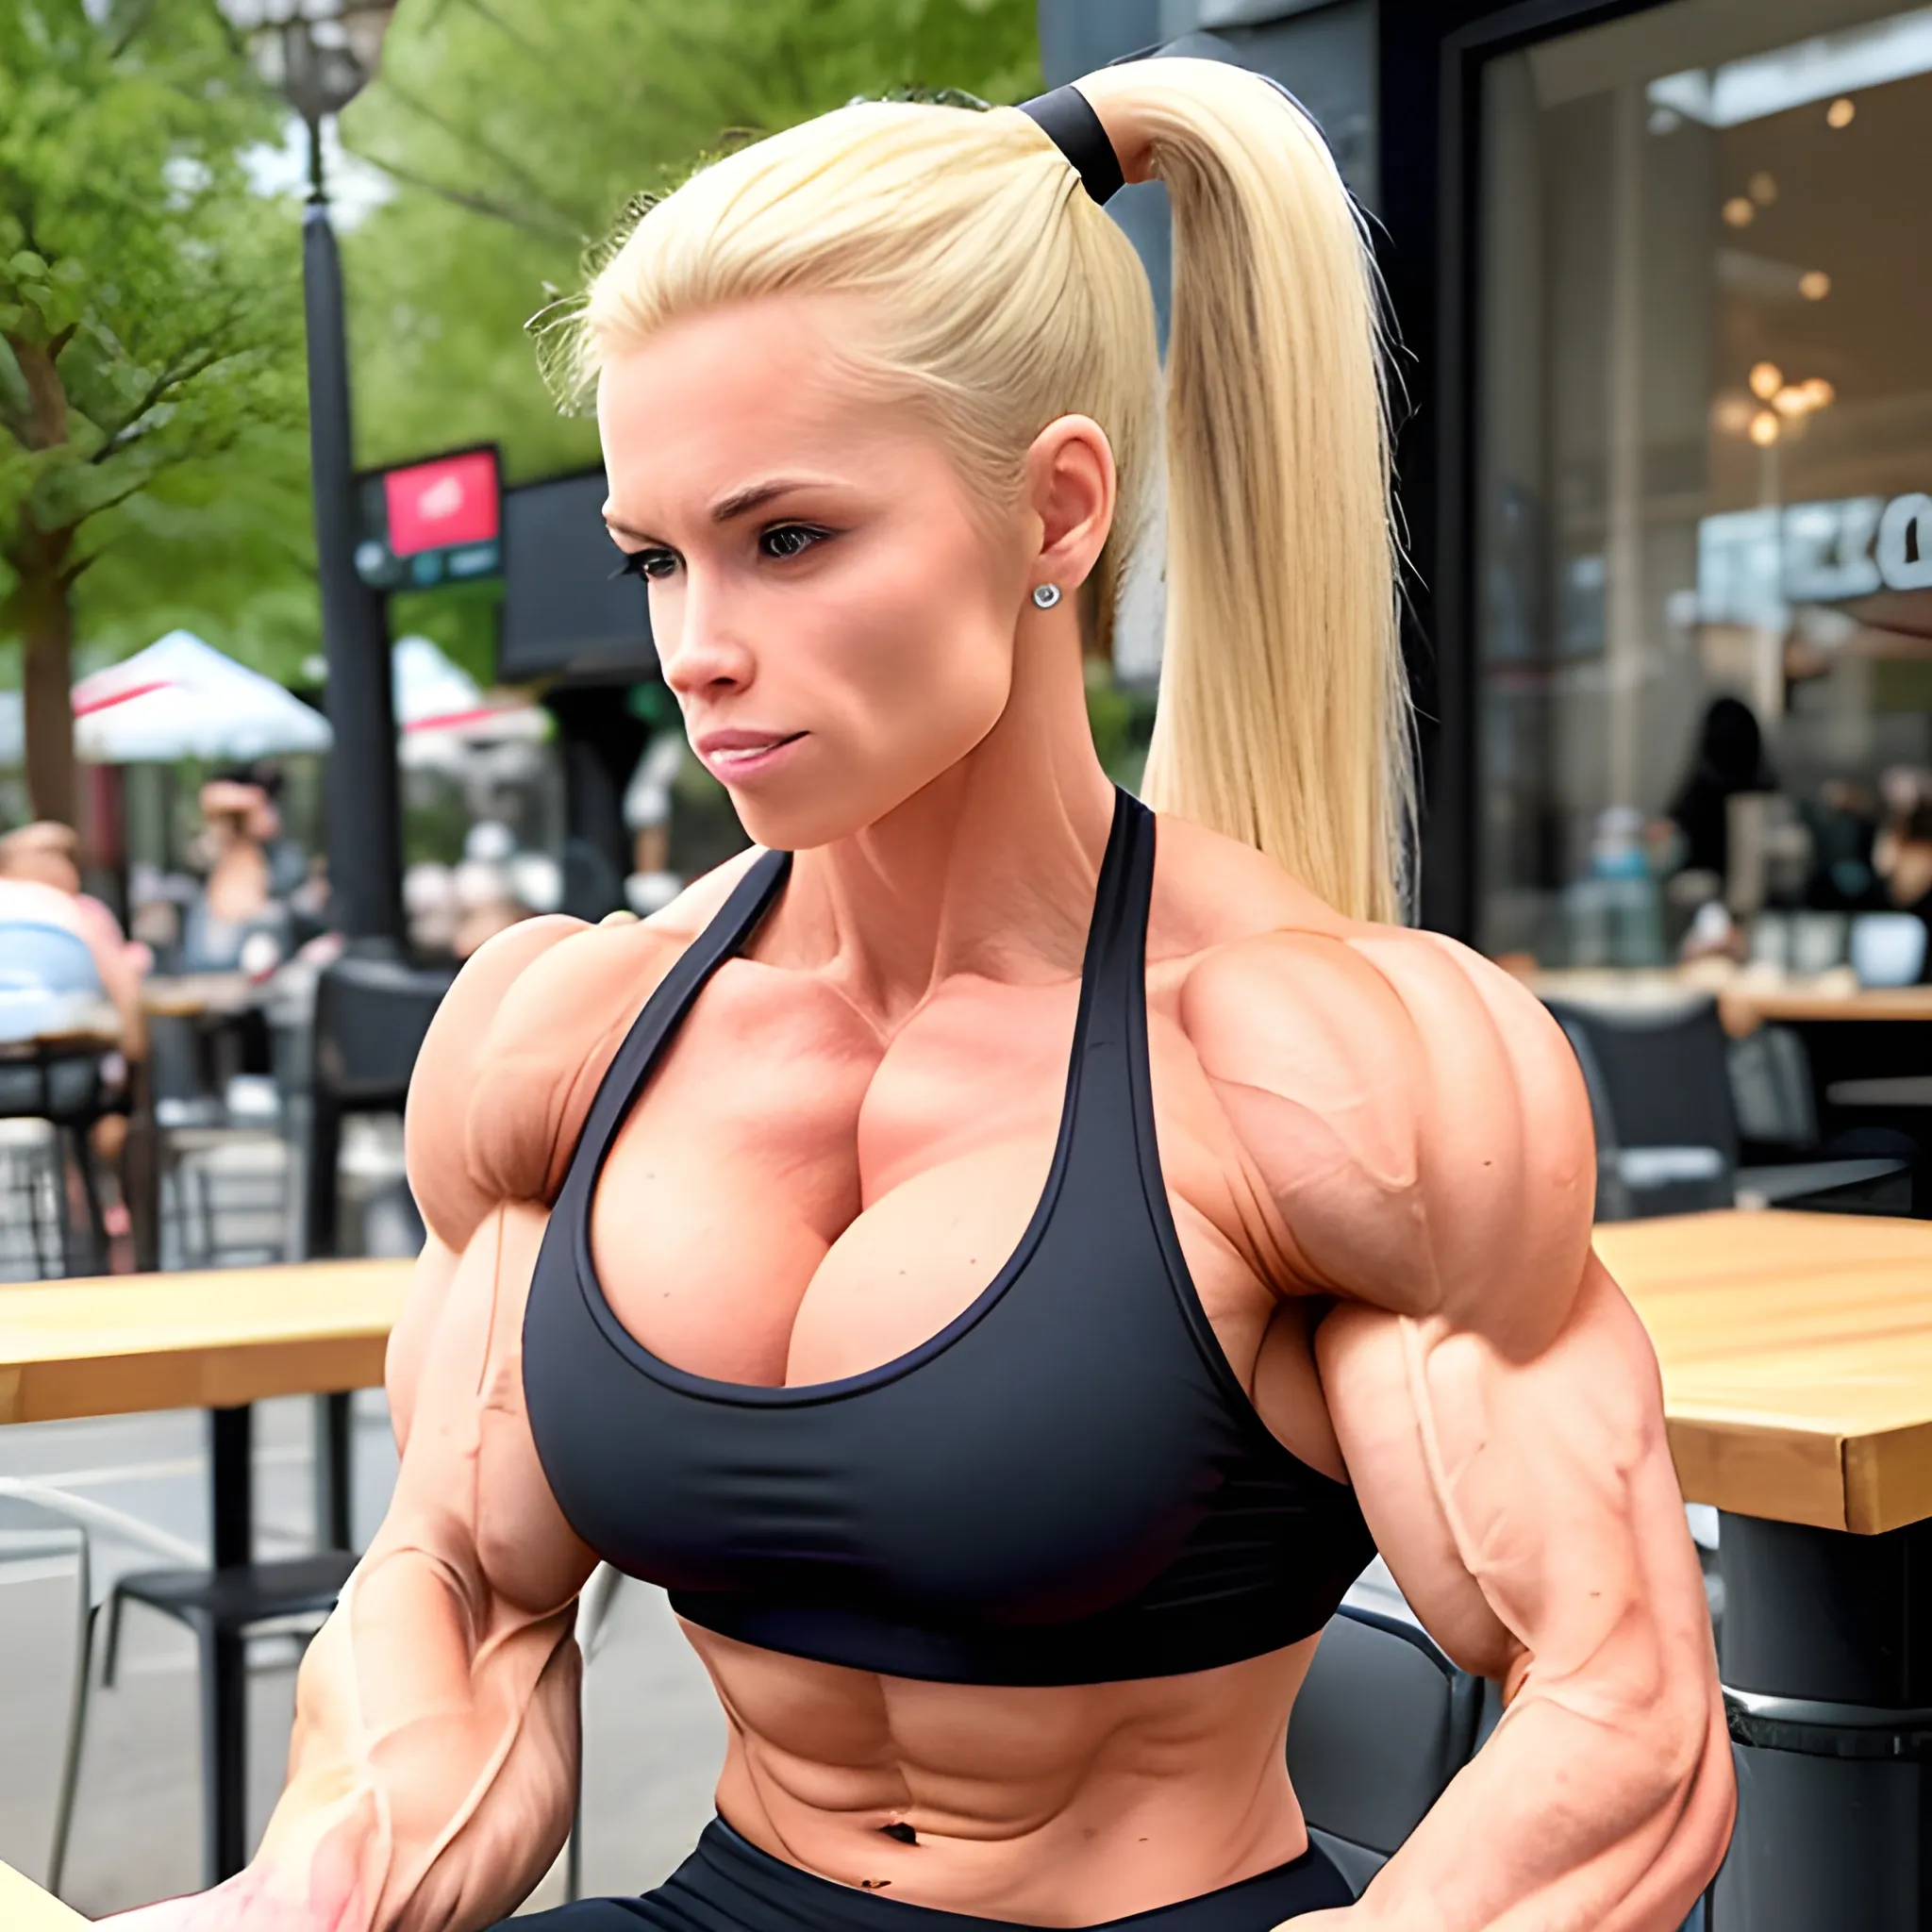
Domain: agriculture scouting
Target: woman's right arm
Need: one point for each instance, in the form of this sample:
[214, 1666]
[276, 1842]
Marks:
[432, 1771]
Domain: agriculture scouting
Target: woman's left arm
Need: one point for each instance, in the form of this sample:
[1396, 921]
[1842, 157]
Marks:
[1419, 1124]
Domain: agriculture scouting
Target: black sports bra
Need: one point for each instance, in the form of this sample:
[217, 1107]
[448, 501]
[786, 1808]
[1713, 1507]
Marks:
[1066, 1485]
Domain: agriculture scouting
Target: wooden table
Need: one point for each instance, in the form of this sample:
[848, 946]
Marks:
[1745, 1000]
[189, 995]
[219, 1341]
[24, 1907]
[216, 1340]
[1797, 1360]
[1796, 1352]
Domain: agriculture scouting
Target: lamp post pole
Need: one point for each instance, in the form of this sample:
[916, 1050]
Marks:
[365, 832]
[318, 55]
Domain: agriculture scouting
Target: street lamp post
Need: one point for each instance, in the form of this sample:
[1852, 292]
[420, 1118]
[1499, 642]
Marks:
[318, 55]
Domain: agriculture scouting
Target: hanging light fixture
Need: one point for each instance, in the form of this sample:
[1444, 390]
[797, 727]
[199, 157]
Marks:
[318, 55]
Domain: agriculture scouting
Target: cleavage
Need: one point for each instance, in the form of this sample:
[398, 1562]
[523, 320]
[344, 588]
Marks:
[788, 1204]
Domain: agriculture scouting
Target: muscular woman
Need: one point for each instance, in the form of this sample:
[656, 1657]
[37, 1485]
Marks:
[997, 1255]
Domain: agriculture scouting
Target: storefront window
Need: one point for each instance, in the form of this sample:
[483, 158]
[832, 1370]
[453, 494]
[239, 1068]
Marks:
[1703, 591]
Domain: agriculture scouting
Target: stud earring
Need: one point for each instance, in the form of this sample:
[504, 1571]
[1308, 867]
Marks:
[1046, 595]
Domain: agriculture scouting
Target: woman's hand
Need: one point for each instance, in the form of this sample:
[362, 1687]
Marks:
[310, 1882]
[249, 1902]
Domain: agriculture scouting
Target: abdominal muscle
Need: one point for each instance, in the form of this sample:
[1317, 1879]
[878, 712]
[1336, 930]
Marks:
[1057, 1806]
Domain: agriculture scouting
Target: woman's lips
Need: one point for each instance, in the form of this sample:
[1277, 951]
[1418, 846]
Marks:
[734, 755]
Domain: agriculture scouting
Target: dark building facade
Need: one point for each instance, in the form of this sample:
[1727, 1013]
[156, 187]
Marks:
[1660, 271]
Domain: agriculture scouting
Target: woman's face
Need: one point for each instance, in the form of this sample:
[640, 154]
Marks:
[834, 611]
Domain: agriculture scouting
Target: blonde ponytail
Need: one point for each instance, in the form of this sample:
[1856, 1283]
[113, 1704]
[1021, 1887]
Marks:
[1284, 715]
[1000, 296]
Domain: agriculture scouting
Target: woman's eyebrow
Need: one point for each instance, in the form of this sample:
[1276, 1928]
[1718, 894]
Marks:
[742, 502]
[739, 503]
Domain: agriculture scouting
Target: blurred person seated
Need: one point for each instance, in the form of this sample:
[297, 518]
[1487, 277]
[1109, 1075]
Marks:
[1843, 825]
[46, 853]
[38, 869]
[1909, 870]
[429, 908]
[1902, 789]
[287, 863]
[40, 888]
[485, 904]
[236, 923]
[1729, 759]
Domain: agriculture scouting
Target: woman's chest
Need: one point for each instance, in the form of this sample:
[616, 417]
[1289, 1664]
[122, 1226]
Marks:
[791, 1203]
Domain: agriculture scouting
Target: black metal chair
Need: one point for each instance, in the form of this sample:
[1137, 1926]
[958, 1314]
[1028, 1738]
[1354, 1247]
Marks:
[1668, 1143]
[224, 1605]
[225, 1608]
[371, 1015]
[1381, 1724]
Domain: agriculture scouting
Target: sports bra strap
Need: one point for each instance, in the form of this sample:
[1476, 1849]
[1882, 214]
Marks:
[1115, 966]
[1110, 1048]
[732, 925]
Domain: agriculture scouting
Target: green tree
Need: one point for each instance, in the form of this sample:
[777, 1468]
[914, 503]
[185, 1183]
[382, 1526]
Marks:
[518, 130]
[151, 399]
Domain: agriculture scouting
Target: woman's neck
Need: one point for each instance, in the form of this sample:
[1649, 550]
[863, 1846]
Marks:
[988, 869]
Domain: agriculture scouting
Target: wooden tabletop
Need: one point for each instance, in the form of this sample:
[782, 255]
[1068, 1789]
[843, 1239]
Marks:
[187, 995]
[1746, 1000]
[24, 1907]
[1796, 1351]
[1753, 1004]
[1797, 1360]
[207, 1340]
[97, 1034]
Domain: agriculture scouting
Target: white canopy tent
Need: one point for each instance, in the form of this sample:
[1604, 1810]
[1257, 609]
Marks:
[443, 715]
[181, 698]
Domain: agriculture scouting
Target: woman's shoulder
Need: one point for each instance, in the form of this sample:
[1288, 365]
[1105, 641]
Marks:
[519, 1044]
[1211, 891]
[1387, 1076]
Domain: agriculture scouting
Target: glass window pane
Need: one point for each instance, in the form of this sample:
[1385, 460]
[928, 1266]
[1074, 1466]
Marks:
[1703, 471]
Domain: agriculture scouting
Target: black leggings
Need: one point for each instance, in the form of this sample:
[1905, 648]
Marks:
[729, 1885]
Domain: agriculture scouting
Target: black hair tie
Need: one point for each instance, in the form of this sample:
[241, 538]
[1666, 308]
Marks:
[1068, 118]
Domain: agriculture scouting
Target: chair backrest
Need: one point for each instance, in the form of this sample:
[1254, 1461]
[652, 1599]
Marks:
[44, 1604]
[1382, 1723]
[370, 1019]
[44, 970]
[1659, 1086]
[1770, 1088]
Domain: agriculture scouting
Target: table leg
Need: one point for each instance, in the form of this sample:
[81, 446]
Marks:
[224, 1754]
[334, 1470]
[91, 1200]
[1826, 1660]
[224, 1677]
[231, 1485]
[141, 1170]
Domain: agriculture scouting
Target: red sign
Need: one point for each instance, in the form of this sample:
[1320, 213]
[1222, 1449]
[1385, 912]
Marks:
[438, 505]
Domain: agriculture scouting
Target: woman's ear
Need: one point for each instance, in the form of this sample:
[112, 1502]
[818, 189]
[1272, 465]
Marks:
[1070, 489]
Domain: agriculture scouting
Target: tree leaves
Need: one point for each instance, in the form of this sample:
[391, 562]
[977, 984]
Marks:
[521, 129]
[150, 305]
